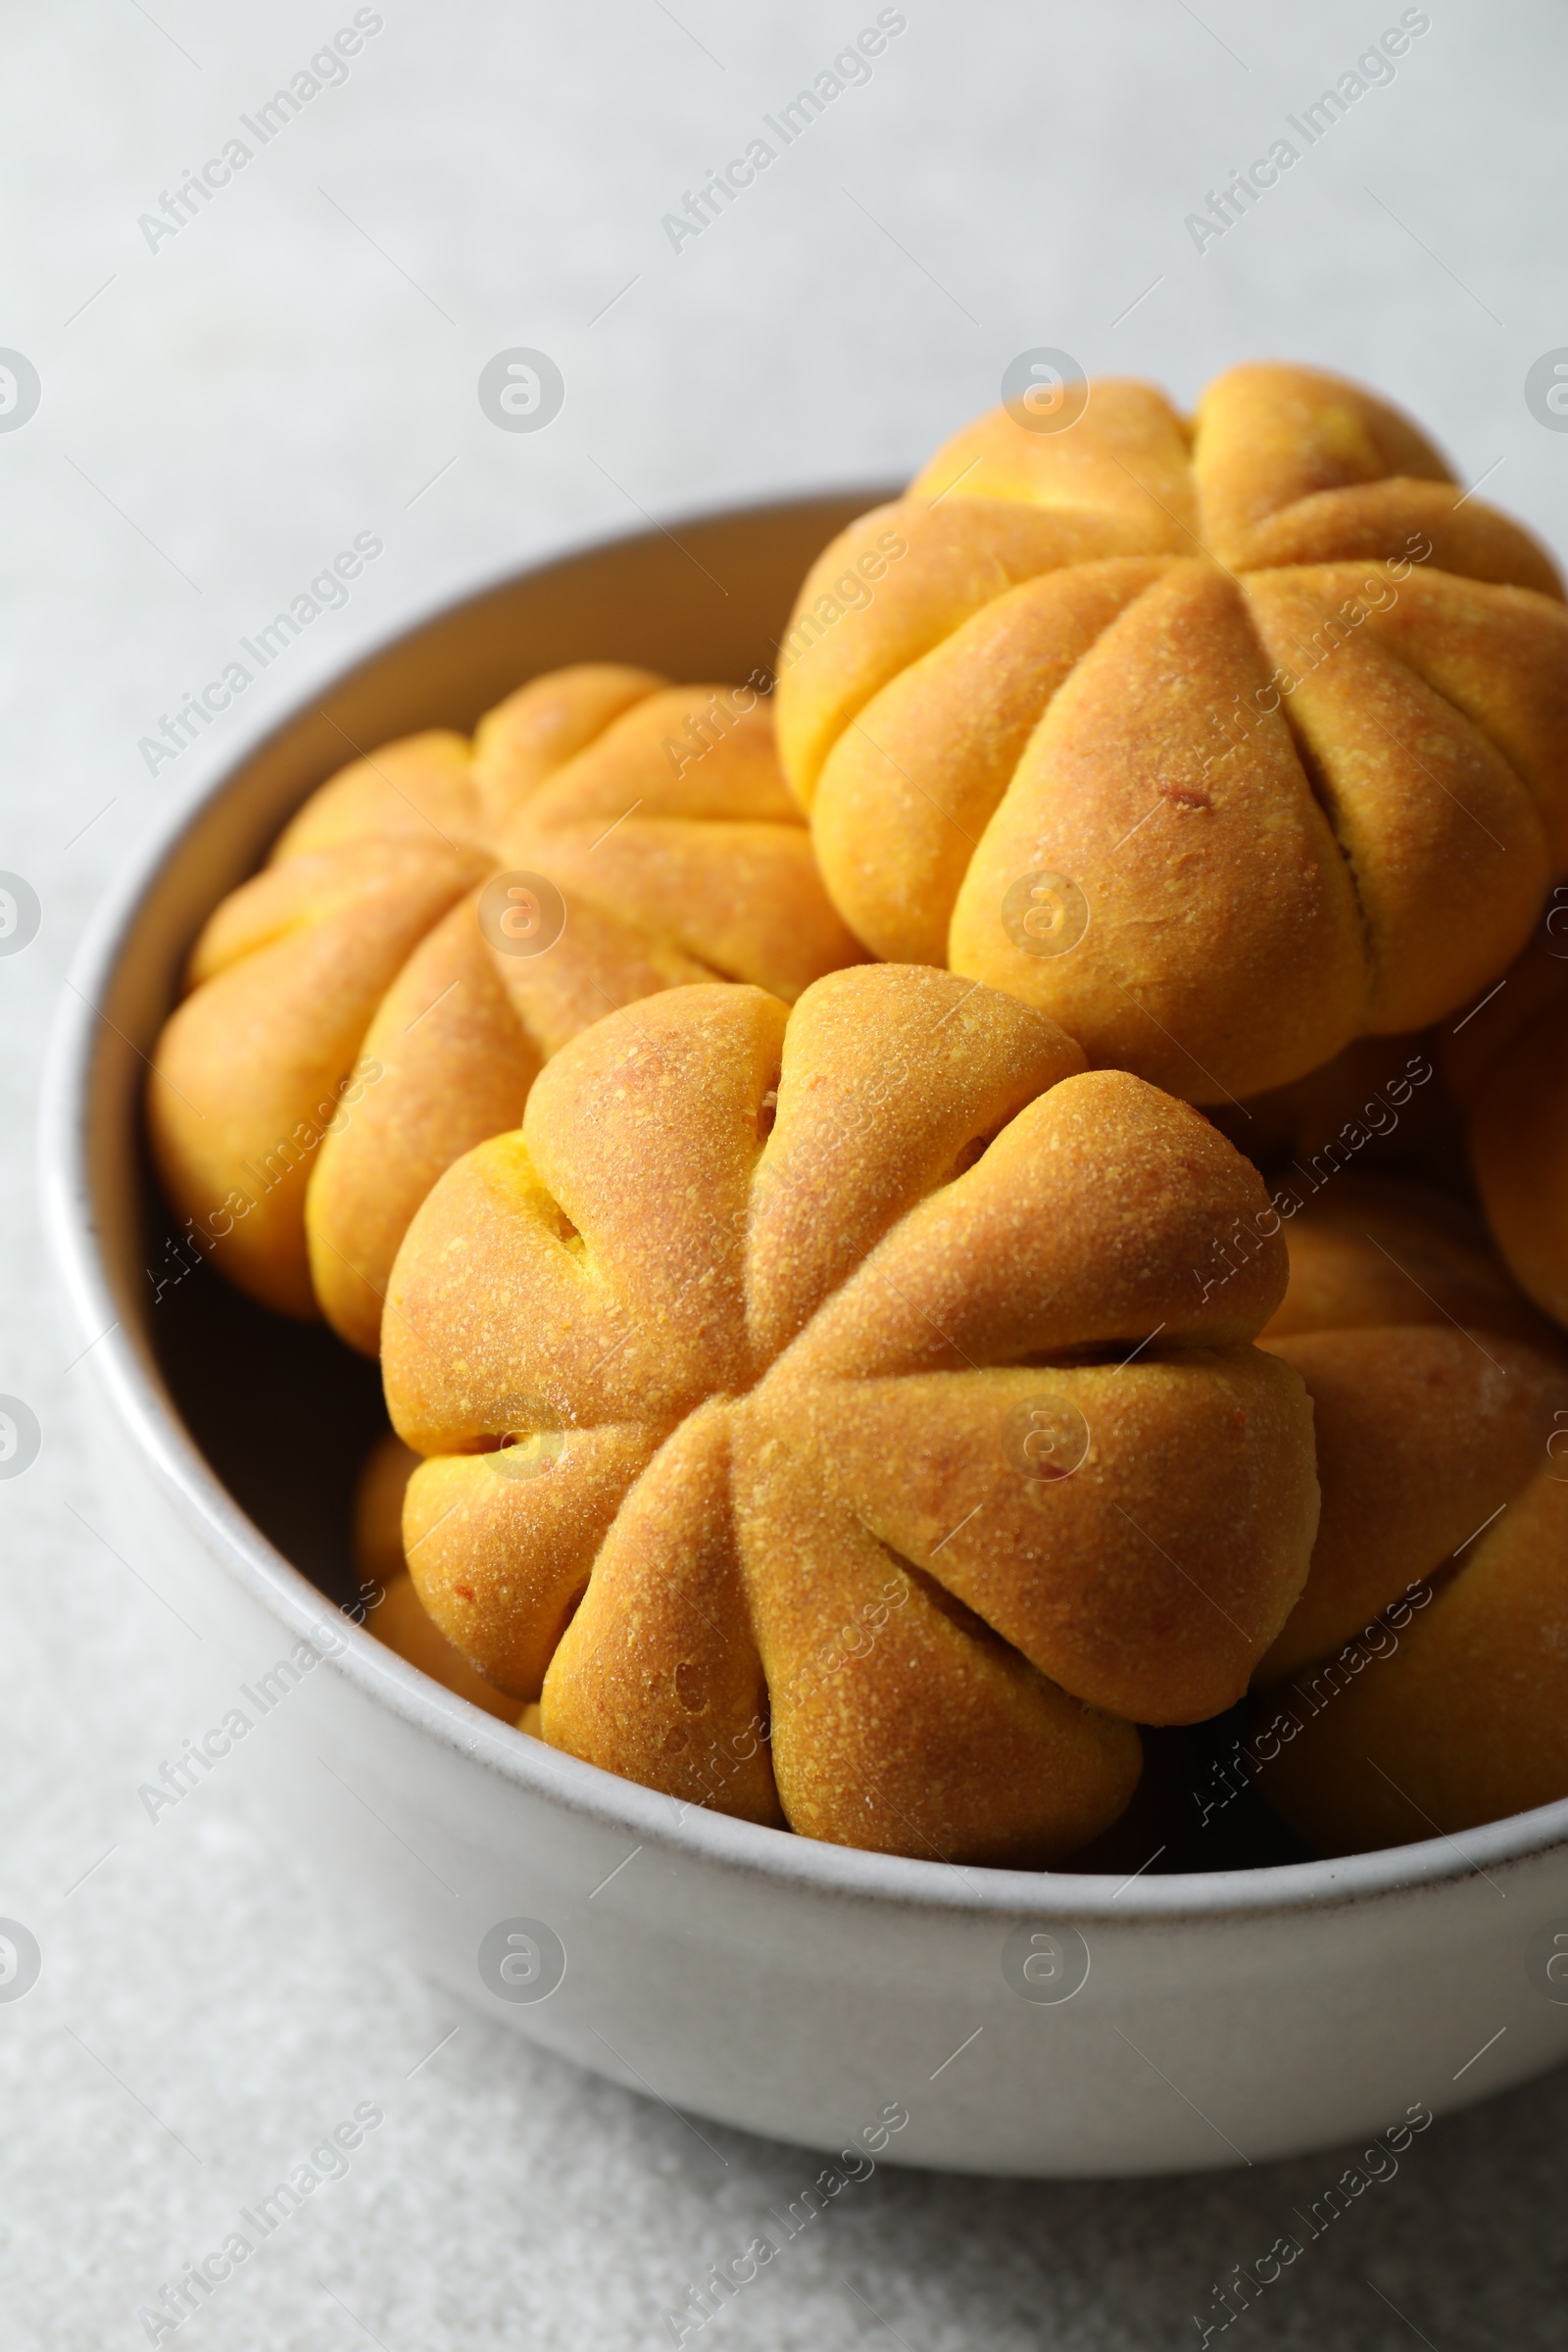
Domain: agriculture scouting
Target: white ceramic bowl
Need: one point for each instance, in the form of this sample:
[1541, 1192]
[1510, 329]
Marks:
[1022, 2023]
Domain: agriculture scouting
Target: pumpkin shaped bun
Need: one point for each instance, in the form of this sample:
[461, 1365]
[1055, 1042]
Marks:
[1421, 1683]
[1222, 742]
[824, 1417]
[435, 922]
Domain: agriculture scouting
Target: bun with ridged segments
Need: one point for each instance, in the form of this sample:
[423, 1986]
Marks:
[824, 1416]
[392, 1610]
[357, 1016]
[1421, 1683]
[1223, 742]
[1508, 1066]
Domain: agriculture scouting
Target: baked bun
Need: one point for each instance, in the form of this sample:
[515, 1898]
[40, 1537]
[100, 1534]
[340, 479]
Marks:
[1421, 1683]
[1508, 1066]
[824, 1416]
[1223, 742]
[438, 919]
[392, 1610]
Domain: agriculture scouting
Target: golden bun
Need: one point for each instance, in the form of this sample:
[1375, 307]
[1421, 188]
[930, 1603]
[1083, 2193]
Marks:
[360, 1012]
[1420, 1686]
[392, 1608]
[826, 1421]
[1224, 742]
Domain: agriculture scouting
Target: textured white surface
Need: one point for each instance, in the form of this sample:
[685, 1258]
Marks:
[229, 411]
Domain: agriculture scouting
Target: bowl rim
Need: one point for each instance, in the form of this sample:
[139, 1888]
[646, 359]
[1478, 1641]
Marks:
[147, 1416]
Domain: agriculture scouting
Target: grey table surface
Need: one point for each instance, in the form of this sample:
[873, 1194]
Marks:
[220, 409]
